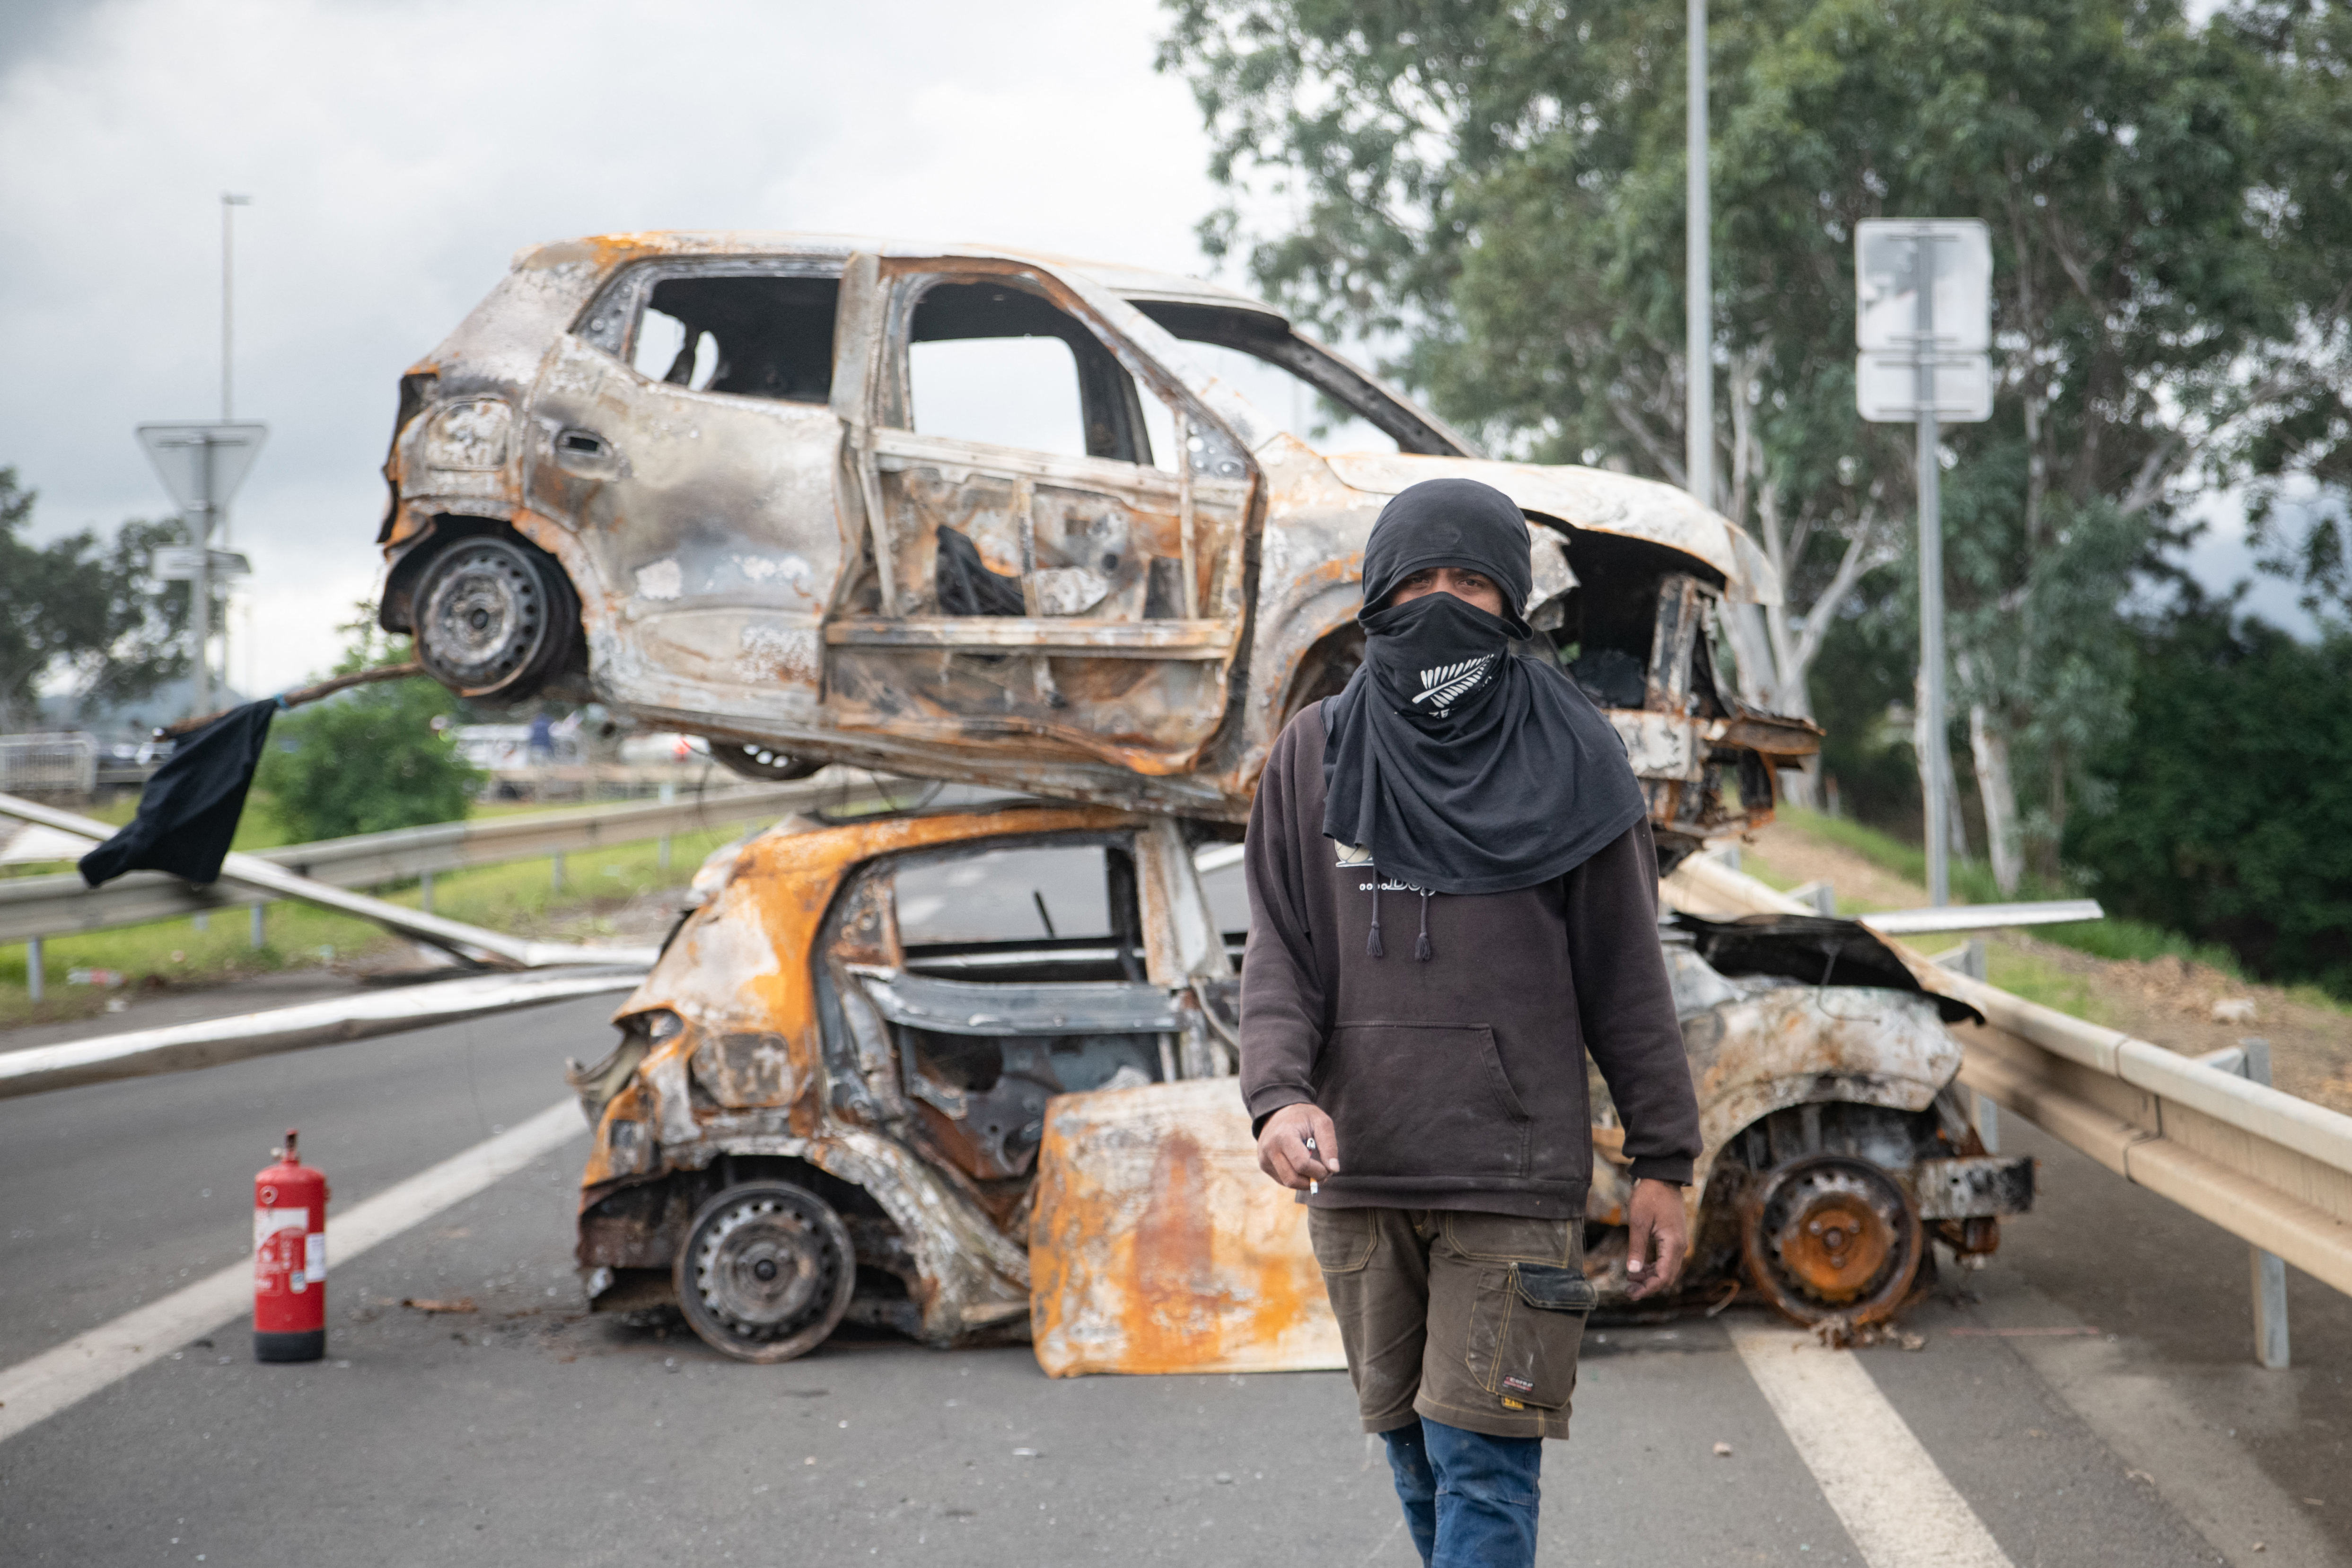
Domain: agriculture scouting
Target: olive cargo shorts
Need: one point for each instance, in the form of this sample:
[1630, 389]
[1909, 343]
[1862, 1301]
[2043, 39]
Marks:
[1473, 1320]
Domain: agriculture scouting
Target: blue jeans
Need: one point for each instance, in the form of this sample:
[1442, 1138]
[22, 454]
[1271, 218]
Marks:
[1469, 1500]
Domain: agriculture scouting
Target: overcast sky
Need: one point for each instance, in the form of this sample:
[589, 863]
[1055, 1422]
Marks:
[398, 154]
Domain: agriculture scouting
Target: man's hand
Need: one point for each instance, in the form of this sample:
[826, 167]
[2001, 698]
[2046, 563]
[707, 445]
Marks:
[1661, 1232]
[1283, 1153]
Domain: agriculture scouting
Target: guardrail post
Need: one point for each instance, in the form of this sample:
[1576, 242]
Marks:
[661, 854]
[33, 979]
[2269, 1270]
[202, 920]
[1967, 958]
[258, 936]
[557, 878]
[425, 891]
[1988, 1122]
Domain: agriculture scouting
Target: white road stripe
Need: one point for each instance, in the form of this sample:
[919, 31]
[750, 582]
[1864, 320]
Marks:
[1896, 1505]
[33, 1391]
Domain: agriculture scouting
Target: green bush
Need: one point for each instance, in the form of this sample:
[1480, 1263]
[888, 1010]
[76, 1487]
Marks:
[2228, 809]
[370, 759]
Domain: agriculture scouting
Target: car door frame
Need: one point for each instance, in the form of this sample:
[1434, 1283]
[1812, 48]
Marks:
[878, 296]
[777, 684]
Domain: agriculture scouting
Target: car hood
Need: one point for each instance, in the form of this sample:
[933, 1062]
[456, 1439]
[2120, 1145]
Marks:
[1591, 498]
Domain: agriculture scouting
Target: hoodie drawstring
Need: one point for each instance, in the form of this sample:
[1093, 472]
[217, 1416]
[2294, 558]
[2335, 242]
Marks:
[1373, 948]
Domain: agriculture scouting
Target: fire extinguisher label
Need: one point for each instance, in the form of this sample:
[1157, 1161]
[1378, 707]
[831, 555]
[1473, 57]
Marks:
[314, 1255]
[268, 1222]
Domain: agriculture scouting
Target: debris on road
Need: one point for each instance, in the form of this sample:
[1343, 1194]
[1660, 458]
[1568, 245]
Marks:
[1158, 1245]
[422, 1304]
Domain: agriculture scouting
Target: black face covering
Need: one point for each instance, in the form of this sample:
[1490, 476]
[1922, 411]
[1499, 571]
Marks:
[1462, 767]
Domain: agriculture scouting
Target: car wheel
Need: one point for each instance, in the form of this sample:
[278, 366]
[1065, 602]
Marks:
[763, 763]
[766, 1271]
[1828, 1236]
[494, 618]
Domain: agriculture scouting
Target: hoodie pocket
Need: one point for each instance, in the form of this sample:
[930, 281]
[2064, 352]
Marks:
[1422, 1100]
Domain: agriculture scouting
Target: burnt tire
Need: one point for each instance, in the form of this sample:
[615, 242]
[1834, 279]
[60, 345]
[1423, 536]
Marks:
[495, 619]
[763, 763]
[766, 1272]
[1831, 1237]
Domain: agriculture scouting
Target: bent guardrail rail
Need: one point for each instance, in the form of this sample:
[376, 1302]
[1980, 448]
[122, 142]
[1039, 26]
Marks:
[2270, 1168]
[59, 906]
[473, 943]
[181, 1048]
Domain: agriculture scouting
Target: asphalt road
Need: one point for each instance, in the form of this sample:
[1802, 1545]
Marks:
[2090, 1395]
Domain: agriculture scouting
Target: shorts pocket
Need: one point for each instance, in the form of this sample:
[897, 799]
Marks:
[1344, 1239]
[1526, 1325]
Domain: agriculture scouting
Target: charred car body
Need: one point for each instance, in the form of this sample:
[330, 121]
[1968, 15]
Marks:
[829, 1094]
[732, 484]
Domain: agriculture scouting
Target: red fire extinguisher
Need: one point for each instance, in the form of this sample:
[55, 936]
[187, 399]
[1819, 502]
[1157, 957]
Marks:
[289, 1259]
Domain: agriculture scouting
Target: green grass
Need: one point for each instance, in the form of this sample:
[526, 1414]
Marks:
[1972, 882]
[519, 895]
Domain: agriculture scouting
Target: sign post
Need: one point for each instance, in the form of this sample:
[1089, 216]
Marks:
[1923, 322]
[201, 467]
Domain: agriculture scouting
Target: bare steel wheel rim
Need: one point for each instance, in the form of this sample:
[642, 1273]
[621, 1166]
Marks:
[1830, 1235]
[486, 618]
[767, 1271]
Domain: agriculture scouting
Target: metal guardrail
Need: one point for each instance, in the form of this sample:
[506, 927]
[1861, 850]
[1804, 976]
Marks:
[35, 907]
[62, 760]
[2268, 1168]
[179, 1048]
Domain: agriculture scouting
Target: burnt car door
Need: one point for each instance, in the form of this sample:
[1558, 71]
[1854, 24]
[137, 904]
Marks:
[684, 433]
[1056, 551]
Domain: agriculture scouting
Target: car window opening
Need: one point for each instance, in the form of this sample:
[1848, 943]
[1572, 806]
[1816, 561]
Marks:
[992, 362]
[749, 336]
[1301, 387]
[1065, 912]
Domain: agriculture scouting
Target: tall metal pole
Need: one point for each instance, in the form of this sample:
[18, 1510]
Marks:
[1935, 769]
[200, 609]
[229, 204]
[1698, 330]
[215, 513]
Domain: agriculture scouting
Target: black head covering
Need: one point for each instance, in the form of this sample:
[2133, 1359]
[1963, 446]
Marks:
[1462, 768]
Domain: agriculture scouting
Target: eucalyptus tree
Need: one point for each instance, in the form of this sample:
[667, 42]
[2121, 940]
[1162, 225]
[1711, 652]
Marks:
[1496, 188]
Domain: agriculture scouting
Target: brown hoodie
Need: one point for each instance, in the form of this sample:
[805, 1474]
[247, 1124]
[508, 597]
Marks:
[1457, 1081]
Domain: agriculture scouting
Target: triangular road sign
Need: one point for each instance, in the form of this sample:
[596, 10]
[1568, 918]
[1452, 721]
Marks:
[186, 455]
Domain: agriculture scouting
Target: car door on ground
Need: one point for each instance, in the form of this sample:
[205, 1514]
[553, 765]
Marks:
[1064, 547]
[684, 432]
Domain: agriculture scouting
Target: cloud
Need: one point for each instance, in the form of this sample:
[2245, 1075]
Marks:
[398, 155]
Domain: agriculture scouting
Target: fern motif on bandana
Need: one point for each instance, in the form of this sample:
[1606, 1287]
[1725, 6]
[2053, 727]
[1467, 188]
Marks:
[1447, 684]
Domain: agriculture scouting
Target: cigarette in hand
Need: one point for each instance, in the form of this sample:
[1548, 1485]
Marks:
[1312, 1184]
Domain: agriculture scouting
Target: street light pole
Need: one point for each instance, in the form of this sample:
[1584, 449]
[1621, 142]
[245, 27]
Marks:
[1698, 330]
[214, 512]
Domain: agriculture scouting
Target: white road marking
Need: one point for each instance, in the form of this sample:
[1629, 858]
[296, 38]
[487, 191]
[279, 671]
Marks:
[1888, 1493]
[33, 1391]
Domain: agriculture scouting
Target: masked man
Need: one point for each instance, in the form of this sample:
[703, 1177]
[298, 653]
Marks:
[1453, 904]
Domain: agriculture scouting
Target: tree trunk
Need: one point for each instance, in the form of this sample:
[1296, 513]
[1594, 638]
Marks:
[1989, 747]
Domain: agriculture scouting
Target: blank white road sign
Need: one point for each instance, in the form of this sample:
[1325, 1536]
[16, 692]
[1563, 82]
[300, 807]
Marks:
[1887, 388]
[1892, 254]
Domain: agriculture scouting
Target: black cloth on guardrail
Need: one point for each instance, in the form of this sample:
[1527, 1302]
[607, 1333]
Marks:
[188, 812]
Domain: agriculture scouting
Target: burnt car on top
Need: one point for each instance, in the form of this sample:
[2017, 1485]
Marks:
[1076, 529]
[831, 1096]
